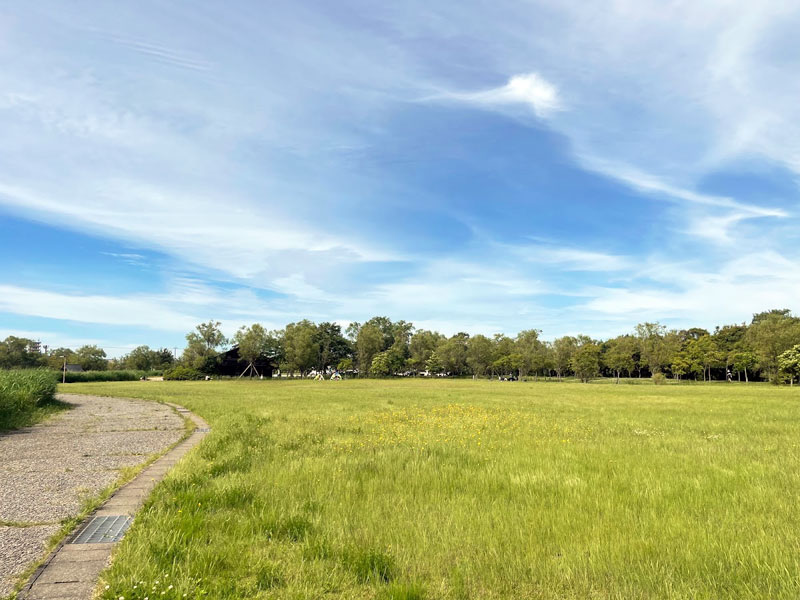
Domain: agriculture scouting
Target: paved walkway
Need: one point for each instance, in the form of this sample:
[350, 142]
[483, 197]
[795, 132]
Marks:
[46, 472]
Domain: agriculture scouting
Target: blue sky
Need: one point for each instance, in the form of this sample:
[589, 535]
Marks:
[463, 165]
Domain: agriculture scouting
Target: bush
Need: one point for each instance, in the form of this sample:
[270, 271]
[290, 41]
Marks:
[183, 374]
[22, 392]
[659, 378]
[93, 376]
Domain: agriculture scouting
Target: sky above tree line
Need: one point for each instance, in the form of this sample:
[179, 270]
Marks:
[465, 166]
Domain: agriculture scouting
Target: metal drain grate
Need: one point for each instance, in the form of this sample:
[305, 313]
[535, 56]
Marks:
[202, 429]
[102, 530]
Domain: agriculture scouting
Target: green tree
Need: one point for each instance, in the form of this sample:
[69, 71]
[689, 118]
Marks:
[563, 349]
[585, 362]
[479, 354]
[381, 364]
[651, 345]
[619, 355]
[143, 358]
[202, 345]
[300, 347]
[333, 346]
[681, 365]
[420, 347]
[503, 365]
[789, 363]
[91, 358]
[369, 342]
[529, 347]
[253, 343]
[20, 353]
[55, 358]
[452, 353]
[770, 334]
[433, 364]
[743, 360]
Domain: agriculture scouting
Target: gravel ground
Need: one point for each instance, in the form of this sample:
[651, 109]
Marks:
[19, 547]
[47, 470]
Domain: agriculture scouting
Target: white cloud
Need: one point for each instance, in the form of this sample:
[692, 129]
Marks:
[741, 287]
[571, 259]
[528, 89]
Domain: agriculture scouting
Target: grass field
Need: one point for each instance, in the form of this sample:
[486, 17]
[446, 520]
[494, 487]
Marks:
[471, 490]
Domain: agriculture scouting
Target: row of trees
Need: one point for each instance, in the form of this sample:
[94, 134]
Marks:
[24, 353]
[767, 348]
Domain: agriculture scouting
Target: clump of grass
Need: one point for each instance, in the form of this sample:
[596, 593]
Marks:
[368, 565]
[293, 528]
[26, 396]
[402, 591]
[269, 576]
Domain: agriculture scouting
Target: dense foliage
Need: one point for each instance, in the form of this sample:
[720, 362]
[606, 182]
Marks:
[22, 392]
[381, 347]
[90, 376]
[181, 373]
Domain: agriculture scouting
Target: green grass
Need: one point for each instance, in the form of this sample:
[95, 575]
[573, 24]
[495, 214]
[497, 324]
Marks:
[459, 489]
[95, 376]
[27, 396]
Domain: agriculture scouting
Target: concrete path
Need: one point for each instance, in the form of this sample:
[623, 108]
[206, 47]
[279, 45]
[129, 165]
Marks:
[47, 470]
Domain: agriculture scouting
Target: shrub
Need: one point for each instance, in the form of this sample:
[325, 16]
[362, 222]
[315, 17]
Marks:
[22, 392]
[659, 378]
[93, 376]
[183, 374]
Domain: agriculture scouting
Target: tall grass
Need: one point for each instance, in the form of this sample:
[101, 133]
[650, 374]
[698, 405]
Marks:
[95, 376]
[25, 396]
[472, 490]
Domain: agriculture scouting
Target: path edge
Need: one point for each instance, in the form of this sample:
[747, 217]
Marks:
[153, 472]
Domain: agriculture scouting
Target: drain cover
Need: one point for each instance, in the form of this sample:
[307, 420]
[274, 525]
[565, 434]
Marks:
[101, 530]
[202, 429]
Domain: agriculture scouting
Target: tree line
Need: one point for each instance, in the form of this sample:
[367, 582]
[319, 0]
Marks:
[768, 348]
[24, 353]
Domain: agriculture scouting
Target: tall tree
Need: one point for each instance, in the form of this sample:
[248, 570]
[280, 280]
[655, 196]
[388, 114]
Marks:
[91, 358]
[20, 353]
[651, 344]
[619, 355]
[585, 361]
[253, 344]
[203, 344]
[452, 353]
[770, 334]
[479, 354]
[529, 348]
[56, 358]
[300, 346]
[333, 346]
[563, 349]
[420, 347]
[370, 342]
[789, 363]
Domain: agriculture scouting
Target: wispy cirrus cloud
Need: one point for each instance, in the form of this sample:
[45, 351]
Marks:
[529, 90]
